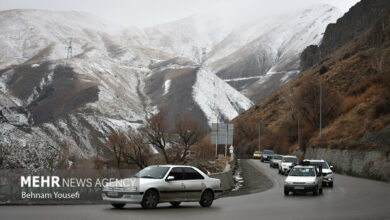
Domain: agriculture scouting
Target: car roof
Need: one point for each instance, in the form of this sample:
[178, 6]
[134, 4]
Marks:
[170, 165]
[302, 166]
[311, 160]
[290, 156]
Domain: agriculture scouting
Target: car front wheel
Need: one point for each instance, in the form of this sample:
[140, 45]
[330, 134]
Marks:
[150, 199]
[207, 198]
[118, 205]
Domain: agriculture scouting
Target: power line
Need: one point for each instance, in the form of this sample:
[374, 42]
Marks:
[69, 55]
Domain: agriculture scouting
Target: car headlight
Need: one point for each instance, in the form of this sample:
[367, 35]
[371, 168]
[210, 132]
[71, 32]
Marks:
[131, 189]
[288, 182]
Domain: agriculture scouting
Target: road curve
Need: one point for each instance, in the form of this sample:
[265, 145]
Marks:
[350, 198]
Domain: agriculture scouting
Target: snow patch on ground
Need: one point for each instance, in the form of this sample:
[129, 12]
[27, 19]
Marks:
[167, 86]
[216, 98]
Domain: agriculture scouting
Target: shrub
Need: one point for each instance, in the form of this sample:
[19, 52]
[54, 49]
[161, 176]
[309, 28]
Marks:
[323, 70]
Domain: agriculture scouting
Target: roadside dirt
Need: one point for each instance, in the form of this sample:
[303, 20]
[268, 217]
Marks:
[248, 180]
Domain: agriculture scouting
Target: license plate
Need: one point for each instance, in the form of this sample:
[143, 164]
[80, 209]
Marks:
[112, 193]
[299, 187]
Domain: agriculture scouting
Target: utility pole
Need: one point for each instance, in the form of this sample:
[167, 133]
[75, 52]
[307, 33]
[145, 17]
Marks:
[320, 109]
[69, 55]
[259, 134]
[227, 125]
[299, 135]
[216, 143]
[320, 85]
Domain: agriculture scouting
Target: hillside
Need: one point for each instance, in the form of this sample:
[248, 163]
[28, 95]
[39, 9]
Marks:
[112, 81]
[114, 77]
[270, 58]
[354, 69]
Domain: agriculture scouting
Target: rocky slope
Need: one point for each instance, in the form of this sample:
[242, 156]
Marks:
[354, 75]
[263, 62]
[113, 80]
[347, 28]
[254, 56]
[116, 76]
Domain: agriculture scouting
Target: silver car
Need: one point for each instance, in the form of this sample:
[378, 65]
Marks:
[303, 179]
[163, 183]
[275, 161]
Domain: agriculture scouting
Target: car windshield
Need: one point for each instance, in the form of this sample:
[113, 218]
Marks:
[277, 157]
[152, 172]
[290, 160]
[268, 152]
[257, 152]
[317, 164]
[302, 172]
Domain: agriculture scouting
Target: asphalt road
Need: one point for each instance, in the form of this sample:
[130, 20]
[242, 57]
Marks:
[350, 198]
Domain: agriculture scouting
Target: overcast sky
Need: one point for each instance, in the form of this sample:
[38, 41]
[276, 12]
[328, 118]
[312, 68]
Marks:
[149, 12]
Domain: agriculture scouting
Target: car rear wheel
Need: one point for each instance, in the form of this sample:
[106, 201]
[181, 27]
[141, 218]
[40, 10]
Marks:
[207, 198]
[175, 204]
[118, 205]
[150, 199]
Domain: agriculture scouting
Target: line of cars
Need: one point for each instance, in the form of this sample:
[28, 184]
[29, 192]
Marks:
[308, 175]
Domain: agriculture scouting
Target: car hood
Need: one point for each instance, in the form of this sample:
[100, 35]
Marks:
[287, 163]
[304, 179]
[128, 182]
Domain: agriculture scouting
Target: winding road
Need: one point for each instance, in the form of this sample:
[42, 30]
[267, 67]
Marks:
[350, 198]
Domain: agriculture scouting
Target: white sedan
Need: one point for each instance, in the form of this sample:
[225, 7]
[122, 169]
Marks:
[163, 183]
[303, 179]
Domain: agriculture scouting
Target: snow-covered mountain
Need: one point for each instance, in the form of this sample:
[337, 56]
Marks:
[258, 57]
[118, 75]
[52, 102]
[192, 37]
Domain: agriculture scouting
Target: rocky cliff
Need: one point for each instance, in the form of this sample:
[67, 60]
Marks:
[357, 20]
[355, 77]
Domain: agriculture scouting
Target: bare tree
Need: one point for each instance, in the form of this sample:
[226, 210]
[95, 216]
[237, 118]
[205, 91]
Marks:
[307, 102]
[204, 149]
[138, 150]
[188, 131]
[157, 132]
[117, 142]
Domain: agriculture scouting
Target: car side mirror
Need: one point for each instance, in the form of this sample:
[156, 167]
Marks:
[170, 178]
